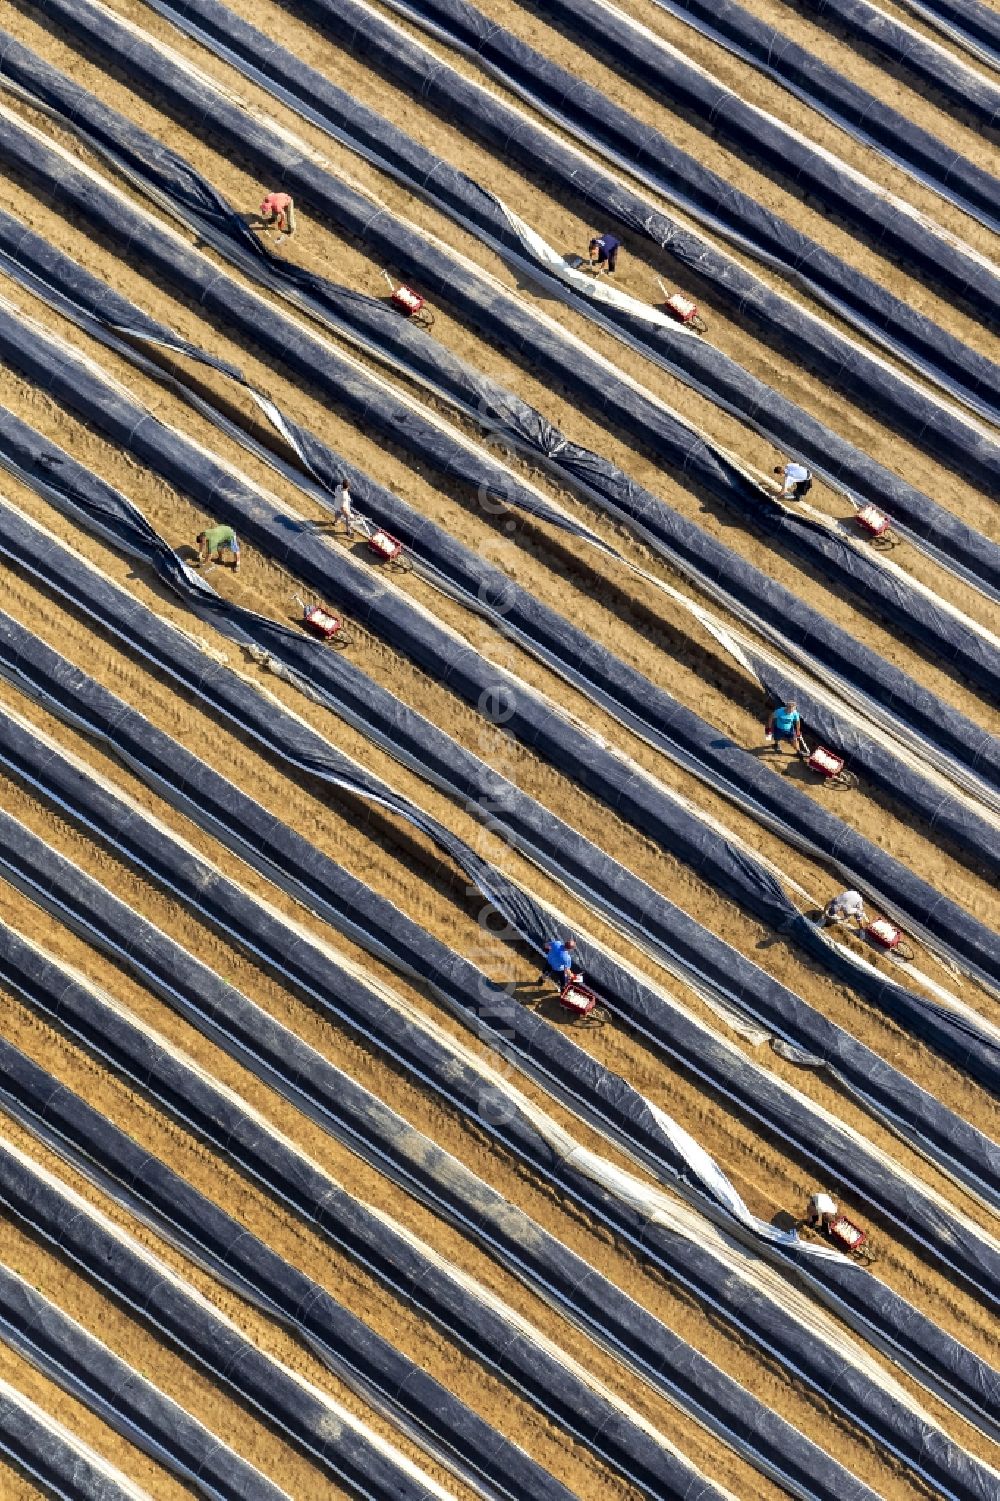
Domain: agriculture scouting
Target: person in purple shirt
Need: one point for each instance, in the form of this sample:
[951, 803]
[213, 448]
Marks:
[603, 251]
[559, 957]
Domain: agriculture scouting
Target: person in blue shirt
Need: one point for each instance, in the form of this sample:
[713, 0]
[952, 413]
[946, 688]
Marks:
[559, 958]
[603, 250]
[785, 724]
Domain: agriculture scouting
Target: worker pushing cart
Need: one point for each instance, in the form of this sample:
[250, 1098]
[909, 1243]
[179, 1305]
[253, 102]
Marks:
[560, 954]
[785, 723]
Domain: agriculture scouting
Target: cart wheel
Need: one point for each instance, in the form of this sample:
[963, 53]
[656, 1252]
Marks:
[698, 324]
[423, 319]
[597, 1018]
[844, 778]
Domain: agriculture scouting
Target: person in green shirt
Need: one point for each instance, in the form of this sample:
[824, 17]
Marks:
[212, 543]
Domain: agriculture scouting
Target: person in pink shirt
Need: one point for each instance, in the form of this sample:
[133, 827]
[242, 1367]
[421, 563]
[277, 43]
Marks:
[279, 210]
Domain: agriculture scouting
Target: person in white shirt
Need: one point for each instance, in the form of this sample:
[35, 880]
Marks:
[849, 904]
[344, 510]
[796, 481]
[822, 1210]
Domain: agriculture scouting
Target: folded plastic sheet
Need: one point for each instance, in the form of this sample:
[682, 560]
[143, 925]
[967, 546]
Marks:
[172, 182]
[62, 1463]
[905, 48]
[493, 1465]
[72, 1357]
[409, 1268]
[638, 799]
[975, 27]
[717, 203]
[614, 1197]
[677, 827]
[665, 72]
[964, 445]
[344, 1107]
[604, 884]
[341, 1444]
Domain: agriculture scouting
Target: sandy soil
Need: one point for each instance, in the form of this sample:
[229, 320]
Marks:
[654, 637]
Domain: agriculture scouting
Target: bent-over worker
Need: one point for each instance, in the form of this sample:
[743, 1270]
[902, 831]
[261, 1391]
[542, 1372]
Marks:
[785, 724]
[214, 542]
[559, 955]
[279, 210]
[822, 1210]
[603, 251]
[848, 905]
[796, 481]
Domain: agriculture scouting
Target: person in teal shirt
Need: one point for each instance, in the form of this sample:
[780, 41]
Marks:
[785, 724]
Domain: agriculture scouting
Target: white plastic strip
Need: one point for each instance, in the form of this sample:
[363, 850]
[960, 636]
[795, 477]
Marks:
[823, 107]
[73, 1379]
[954, 33]
[653, 1202]
[339, 1416]
[520, 1327]
[119, 1486]
[675, 196]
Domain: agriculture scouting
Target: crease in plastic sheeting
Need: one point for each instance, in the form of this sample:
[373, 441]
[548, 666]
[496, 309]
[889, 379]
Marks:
[475, 1064]
[78, 1362]
[873, 122]
[137, 166]
[317, 458]
[56, 1456]
[168, 562]
[487, 1211]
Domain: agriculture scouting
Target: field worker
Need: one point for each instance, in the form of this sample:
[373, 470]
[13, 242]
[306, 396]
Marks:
[559, 956]
[343, 506]
[796, 481]
[279, 210]
[848, 905]
[603, 251]
[822, 1210]
[785, 724]
[217, 539]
